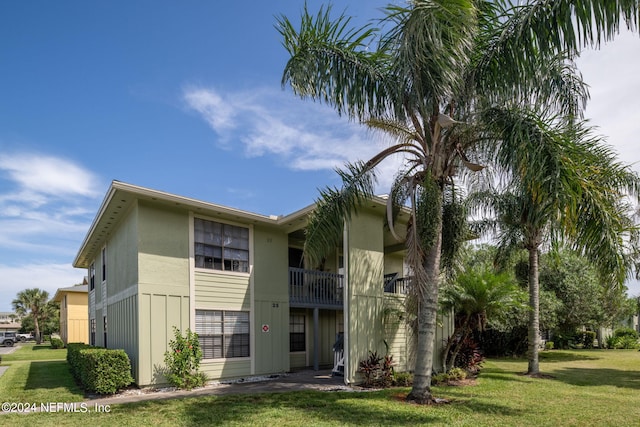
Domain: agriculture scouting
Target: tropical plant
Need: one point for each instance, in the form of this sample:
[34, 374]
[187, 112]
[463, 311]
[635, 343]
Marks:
[561, 185]
[32, 302]
[183, 360]
[428, 71]
[475, 297]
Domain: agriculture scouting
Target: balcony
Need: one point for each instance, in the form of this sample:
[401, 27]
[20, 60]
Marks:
[315, 289]
[394, 284]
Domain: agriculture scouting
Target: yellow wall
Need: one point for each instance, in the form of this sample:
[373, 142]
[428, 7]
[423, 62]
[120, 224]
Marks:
[74, 317]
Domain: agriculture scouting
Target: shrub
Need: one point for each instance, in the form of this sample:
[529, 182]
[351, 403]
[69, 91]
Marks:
[56, 343]
[99, 370]
[183, 361]
[457, 374]
[622, 341]
[548, 345]
[105, 371]
[588, 338]
[625, 332]
[370, 368]
[440, 379]
[402, 379]
[377, 370]
[74, 358]
[469, 356]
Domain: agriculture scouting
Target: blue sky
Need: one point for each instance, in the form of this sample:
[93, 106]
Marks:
[183, 97]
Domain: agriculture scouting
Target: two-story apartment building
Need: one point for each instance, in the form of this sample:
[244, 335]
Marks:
[157, 260]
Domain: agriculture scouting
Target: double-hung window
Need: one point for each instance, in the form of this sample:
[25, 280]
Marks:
[223, 334]
[296, 332]
[92, 276]
[221, 246]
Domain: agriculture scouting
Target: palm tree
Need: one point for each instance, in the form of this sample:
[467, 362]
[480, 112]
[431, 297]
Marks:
[32, 302]
[435, 66]
[561, 186]
[475, 296]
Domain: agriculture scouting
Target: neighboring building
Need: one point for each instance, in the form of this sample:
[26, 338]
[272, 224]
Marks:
[9, 321]
[158, 261]
[74, 313]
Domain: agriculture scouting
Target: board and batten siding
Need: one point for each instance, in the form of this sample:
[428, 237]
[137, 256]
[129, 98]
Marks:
[364, 290]
[216, 290]
[163, 286]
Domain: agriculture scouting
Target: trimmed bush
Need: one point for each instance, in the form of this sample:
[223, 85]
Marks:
[56, 343]
[105, 371]
[99, 370]
[74, 359]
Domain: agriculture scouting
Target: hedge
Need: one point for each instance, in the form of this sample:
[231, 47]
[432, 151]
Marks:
[99, 370]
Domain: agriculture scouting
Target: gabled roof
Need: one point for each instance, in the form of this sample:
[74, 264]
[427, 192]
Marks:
[78, 288]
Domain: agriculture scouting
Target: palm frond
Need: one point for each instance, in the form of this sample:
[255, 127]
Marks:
[332, 62]
[334, 207]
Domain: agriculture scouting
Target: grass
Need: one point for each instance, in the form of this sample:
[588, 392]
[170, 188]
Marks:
[38, 373]
[585, 387]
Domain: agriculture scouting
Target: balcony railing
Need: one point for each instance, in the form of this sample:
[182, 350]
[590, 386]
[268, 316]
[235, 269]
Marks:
[310, 288]
[395, 284]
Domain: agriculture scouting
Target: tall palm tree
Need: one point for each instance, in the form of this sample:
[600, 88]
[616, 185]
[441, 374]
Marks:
[437, 63]
[32, 302]
[561, 185]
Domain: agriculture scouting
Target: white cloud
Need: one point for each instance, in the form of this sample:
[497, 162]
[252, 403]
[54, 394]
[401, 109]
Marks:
[39, 175]
[614, 107]
[49, 277]
[303, 135]
[218, 112]
[46, 205]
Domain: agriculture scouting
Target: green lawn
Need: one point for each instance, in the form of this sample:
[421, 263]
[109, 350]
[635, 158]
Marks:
[38, 373]
[584, 387]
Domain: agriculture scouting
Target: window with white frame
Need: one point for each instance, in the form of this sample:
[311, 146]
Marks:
[220, 246]
[223, 334]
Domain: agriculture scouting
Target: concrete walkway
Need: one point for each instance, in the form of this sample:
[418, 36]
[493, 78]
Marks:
[3, 351]
[302, 380]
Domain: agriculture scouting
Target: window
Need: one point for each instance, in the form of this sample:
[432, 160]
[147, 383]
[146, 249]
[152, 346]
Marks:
[104, 324]
[92, 276]
[223, 334]
[221, 246]
[92, 339]
[104, 264]
[296, 333]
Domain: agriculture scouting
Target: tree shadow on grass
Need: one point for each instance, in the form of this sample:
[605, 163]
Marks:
[598, 377]
[52, 374]
[554, 356]
[303, 407]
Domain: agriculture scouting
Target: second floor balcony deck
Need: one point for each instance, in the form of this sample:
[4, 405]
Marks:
[321, 289]
[311, 288]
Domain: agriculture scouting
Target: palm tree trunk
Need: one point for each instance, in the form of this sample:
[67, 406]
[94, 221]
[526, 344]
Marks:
[463, 338]
[36, 327]
[427, 323]
[534, 312]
